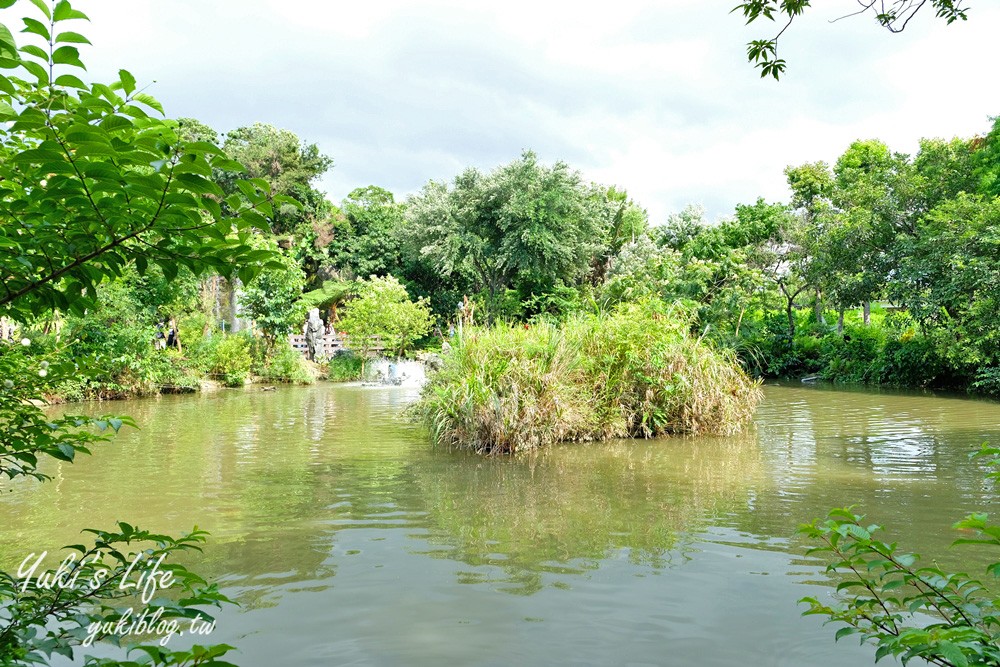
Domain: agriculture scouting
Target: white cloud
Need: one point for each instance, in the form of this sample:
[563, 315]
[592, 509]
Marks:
[651, 95]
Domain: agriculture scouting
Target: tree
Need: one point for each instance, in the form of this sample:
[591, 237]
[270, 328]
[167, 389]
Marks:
[872, 193]
[812, 186]
[524, 226]
[91, 186]
[894, 15]
[383, 312]
[777, 244]
[986, 160]
[369, 243]
[192, 129]
[93, 183]
[620, 221]
[949, 279]
[271, 299]
[289, 167]
[681, 228]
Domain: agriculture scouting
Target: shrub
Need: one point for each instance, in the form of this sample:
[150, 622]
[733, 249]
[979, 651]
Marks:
[383, 311]
[634, 373]
[809, 352]
[988, 380]
[912, 361]
[344, 367]
[232, 360]
[855, 356]
[285, 364]
[766, 349]
[169, 372]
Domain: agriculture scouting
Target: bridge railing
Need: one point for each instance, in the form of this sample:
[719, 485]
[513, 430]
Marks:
[332, 343]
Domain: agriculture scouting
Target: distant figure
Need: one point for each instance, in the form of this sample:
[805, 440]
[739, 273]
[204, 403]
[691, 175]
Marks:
[173, 336]
[160, 339]
[7, 329]
[314, 329]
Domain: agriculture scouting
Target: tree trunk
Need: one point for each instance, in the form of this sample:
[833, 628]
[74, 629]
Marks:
[790, 311]
[235, 325]
[840, 321]
[818, 308]
[866, 312]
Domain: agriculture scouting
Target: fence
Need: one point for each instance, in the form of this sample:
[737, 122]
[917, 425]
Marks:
[332, 343]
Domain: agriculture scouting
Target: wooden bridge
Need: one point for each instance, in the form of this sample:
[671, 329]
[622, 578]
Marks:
[332, 343]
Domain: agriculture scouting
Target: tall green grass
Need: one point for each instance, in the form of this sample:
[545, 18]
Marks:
[636, 372]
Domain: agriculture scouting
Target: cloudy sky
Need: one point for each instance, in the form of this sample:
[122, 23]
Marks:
[654, 96]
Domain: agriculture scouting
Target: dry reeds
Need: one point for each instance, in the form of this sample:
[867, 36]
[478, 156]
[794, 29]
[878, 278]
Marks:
[636, 372]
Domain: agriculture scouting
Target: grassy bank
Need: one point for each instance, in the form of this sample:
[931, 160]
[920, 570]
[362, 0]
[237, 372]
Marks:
[637, 372]
[130, 367]
[892, 350]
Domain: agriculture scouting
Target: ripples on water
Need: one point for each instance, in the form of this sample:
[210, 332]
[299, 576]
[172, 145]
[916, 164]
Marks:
[348, 540]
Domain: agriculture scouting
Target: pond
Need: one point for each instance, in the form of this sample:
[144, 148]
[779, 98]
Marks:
[347, 539]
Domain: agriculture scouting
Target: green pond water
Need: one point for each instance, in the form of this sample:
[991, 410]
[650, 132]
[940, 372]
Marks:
[348, 540]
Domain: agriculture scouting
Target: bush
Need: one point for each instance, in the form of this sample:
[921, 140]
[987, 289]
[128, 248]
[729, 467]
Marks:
[232, 360]
[988, 380]
[912, 361]
[344, 367]
[285, 364]
[634, 373]
[856, 356]
[383, 312]
[169, 372]
[767, 350]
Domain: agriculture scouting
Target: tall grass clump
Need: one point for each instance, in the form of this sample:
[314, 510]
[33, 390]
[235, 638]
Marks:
[636, 372]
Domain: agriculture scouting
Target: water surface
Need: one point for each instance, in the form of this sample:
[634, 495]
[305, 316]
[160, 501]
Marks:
[348, 540]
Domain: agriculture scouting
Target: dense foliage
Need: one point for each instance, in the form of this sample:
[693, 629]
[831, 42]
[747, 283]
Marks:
[97, 196]
[383, 316]
[880, 268]
[634, 372]
[138, 256]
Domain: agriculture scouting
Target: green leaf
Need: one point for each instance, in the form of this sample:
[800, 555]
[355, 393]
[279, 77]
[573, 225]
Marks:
[128, 81]
[198, 184]
[35, 51]
[953, 653]
[70, 81]
[112, 123]
[70, 37]
[67, 55]
[42, 5]
[169, 268]
[8, 46]
[149, 101]
[36, 27]
[202, 147]
[65, 12]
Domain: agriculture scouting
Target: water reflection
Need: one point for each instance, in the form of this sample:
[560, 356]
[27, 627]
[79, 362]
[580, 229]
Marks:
[567, 509]
[328, 510]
